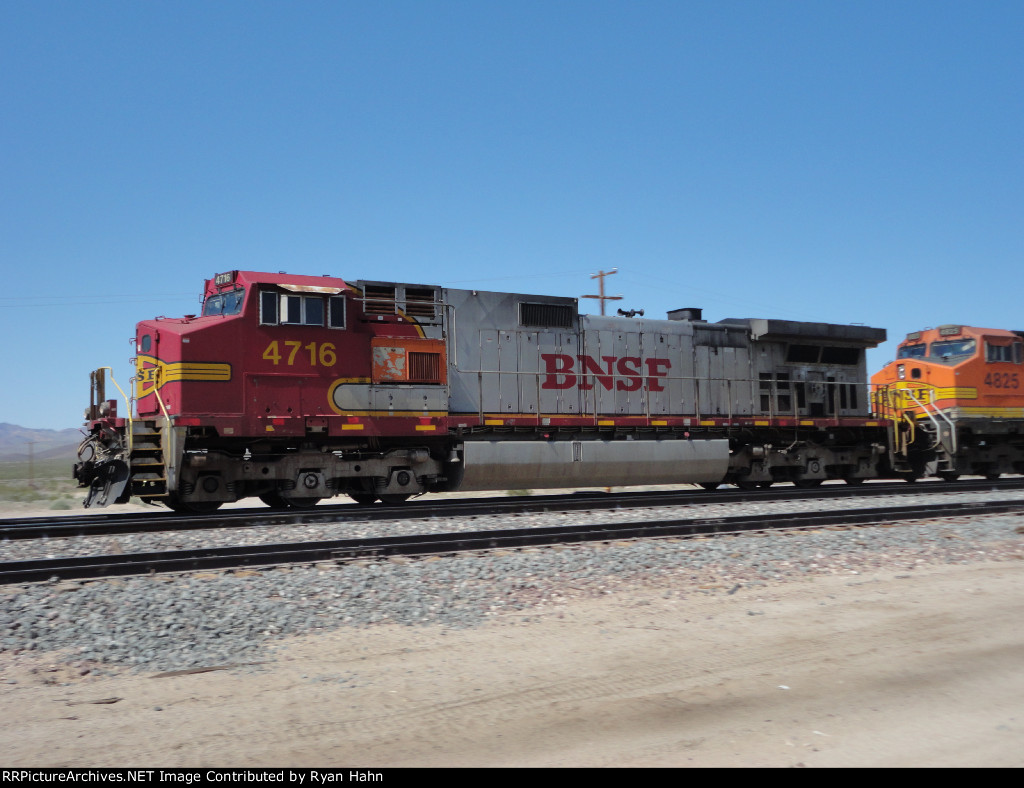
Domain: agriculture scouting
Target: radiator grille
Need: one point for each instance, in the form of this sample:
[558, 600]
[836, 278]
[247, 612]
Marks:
[379, 300]
[425, 367]
[545, 315]
[419, 302]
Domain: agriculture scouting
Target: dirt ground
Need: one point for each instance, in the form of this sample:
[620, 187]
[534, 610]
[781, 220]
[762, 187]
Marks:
[911, 668]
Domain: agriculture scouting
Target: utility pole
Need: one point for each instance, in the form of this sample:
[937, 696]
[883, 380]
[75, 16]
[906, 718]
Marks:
[600, 275]
[31, 465]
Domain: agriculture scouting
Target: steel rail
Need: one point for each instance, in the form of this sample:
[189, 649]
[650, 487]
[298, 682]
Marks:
[163, 521]
[208, 559]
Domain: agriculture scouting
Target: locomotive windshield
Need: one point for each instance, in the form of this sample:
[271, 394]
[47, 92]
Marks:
[952, 350]
[912, 351]
[229, 303]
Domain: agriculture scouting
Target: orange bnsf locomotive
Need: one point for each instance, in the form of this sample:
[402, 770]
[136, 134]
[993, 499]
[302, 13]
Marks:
[955, 395]
[294, 389]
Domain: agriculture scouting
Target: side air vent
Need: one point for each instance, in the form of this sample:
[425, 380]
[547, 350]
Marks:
[546, 315]
[379, 300]
[419, 302]
[424, 367]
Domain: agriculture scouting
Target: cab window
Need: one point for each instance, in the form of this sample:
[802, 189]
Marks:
[952, 350]
[1007, 353]
[301, 310]
[229, 303]
[912, 351]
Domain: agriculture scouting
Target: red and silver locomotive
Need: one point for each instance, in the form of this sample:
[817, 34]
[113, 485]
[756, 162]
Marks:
[294, 389]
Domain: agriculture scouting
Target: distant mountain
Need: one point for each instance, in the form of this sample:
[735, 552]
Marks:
[46, 444]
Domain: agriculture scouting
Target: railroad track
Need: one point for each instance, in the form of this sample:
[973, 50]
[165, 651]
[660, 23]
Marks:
[162, 521]
[209, 559]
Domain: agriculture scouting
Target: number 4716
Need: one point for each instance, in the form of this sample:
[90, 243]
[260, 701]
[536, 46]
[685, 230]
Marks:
[322, 353]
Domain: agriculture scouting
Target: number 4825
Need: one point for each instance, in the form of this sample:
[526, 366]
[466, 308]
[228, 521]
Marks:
[1001, 380]
[319, 352]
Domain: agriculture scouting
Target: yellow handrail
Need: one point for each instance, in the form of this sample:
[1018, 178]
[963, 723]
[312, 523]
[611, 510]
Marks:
[889, 406]
[160, 400]
[168, 436]
[128, 402]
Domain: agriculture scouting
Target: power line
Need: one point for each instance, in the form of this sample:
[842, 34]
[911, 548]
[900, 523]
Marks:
[86, 301]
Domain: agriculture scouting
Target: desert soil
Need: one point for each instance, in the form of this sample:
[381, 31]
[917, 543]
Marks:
[906, 667]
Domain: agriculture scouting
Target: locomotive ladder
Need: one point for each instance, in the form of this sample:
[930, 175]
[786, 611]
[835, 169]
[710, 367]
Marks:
[943, 438]
[147, 461]
[932, 424]
[904, 428]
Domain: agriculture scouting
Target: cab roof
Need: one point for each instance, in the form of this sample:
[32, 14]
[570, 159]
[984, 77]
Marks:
[296, 282]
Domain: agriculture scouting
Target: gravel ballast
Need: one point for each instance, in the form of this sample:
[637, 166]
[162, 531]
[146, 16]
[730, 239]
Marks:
[176, 622]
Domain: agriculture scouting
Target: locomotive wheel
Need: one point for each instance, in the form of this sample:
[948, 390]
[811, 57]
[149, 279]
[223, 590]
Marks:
[277, 501]
[746, 485]
[806, 484]
[302, 503]
[854, 480]
[992, 476]
[364, 499]
[175, 503]
[274, 500]
[394, 500]
[949, 476]
[709, 485]
[765, 485]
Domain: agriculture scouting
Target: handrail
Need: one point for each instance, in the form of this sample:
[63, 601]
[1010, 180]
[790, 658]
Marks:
[929, 408]
[128, 402]
[168, 434]
[167, 442]
[160, 400]
[911, 434]
[591, 395]
[884, 406]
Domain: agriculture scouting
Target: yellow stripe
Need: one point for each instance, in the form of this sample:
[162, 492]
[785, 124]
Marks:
[203, 372]
[351, 426]
[659, 423]
[379, 414]
[425, 427]
[493, 421]
[948, 392]
[957, 392]
[999, 413]
[173, 373]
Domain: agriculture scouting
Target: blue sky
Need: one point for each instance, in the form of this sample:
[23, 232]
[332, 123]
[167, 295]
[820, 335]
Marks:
[852, 162]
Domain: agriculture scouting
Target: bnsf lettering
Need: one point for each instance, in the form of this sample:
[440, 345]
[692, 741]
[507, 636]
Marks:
[622, 374]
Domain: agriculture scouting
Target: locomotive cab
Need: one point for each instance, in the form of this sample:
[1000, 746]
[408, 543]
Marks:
[287, 388]
[954, 367]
